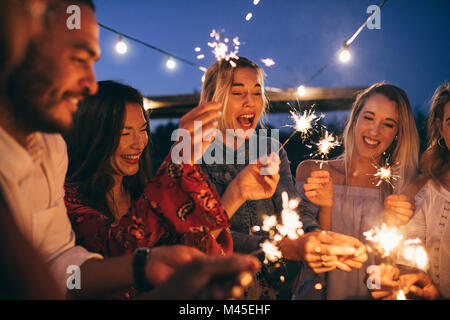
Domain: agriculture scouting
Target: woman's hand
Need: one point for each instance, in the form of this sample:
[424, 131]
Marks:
[195, 138]
[319, 189]
[322, 250]
[397, 209]
[255, 182]
[387, 284]
[420, 285]
[260, 180]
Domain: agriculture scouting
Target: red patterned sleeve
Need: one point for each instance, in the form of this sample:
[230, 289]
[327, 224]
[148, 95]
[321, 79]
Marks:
[90, 226]
[183, 195]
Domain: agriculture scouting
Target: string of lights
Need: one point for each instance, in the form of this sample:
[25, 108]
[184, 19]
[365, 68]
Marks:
[343, 54]
[121, 48]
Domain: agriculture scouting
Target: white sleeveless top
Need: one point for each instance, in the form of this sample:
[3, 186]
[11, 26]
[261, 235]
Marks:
[431, 224]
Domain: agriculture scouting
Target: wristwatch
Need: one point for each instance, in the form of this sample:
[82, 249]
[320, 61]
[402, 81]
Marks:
[141, 256]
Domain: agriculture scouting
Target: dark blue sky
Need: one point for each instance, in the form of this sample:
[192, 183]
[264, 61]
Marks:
[412, 49]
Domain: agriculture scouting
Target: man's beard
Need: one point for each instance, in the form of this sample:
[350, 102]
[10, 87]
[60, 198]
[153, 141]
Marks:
[30, 93]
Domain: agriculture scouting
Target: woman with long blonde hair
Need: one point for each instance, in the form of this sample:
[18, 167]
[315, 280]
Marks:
[347, 193]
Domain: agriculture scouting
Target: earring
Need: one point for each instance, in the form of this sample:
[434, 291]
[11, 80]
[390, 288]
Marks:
[441, 143]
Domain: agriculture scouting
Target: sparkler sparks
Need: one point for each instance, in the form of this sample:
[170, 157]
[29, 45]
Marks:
[325, 145]
[304, 123]
[386, 239]
[386, 174]
[291, 227]
[413, 251]
[401, 295]
[268, 62]
[221, 49]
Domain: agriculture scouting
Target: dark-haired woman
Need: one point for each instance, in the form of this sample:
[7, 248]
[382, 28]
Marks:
[113, 204]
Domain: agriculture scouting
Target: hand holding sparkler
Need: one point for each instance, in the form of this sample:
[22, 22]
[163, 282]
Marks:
[397, 209]
[259, 181]
[255, 182]
[419, 285]
[388, 282]
[319, 189]
[321, 250]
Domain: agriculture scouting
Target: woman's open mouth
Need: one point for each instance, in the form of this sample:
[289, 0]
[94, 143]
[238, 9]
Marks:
[246, 120]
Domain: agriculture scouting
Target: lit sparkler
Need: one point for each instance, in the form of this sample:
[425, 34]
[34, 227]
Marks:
[325, 145]
[401, 295]
[386, 239]
[415, 254]
[290, 227]
[221, 49]
[268, 62]
[386, 174]
[303, 123]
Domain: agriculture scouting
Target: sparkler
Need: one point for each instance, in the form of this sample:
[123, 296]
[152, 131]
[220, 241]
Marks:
[386, 174]
[415, 254]
[325, 145]
[303, 123]
[268, 62]
[385, 239]
[290, 227]
[401, 295]
[222, 50]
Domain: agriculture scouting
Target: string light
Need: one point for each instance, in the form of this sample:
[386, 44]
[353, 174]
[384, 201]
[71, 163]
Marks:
[148, 45]
[170, 63]
[301, 91]
[121, 46]
[344, 53]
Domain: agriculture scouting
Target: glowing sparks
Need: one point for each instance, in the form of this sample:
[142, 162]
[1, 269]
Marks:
[268, 62]
[198, 49]
[401, 295]
[269, 222]
[305, 123]
[291, 227]
[413, 251]
[325, 145]
[271, 251]
[221, 49]
[386, 239]
[256, 228]
[290, 218]
[255, 2]
[248, 16]
[200, 56]
[386, 174]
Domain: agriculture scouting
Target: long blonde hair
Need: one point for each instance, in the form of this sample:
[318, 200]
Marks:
[218, 81]
[435, 159]
[404, 150]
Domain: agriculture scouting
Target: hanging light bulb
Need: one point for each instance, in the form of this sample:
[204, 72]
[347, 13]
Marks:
[121, 46]
[344, 55]
[170, 63]
[301, 91]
